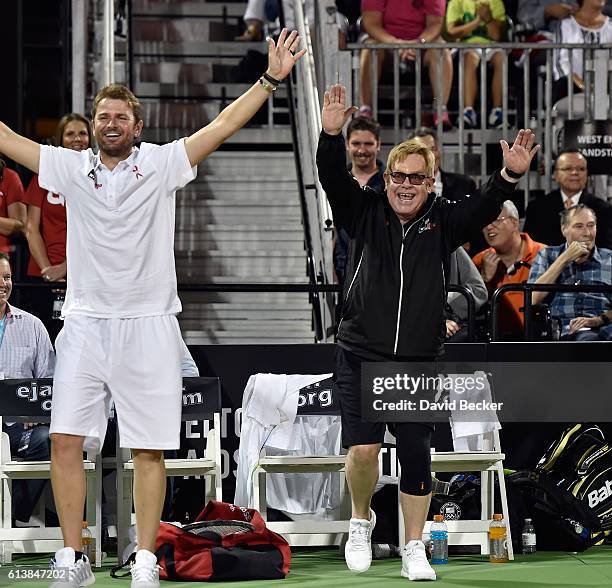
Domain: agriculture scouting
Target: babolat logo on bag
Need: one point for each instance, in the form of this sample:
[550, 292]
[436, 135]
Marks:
[597, 496]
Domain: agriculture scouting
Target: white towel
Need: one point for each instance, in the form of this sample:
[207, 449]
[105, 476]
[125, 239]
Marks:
[469, 435]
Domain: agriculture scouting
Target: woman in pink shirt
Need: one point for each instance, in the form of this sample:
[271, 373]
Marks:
[407, 22]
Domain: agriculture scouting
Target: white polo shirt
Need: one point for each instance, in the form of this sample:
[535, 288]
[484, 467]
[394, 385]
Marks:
[120, 244]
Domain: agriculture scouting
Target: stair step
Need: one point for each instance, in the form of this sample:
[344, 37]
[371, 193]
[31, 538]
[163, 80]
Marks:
[232, 270]
[281, 300]
[183, 30]
[243, 338]
[183, 8]
[251, 135]
[300, 326]
[166, 82]
[197, 48]
[250, 255]
[187, 244]
[255, 316]
[247, 279]
[246, 306]
[250, 232]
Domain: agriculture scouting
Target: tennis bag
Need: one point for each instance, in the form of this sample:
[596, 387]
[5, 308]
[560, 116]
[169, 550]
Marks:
[562, 522]
[226, 542]
[580, 462]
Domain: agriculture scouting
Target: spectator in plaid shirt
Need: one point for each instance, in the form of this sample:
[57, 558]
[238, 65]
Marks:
[584, 316]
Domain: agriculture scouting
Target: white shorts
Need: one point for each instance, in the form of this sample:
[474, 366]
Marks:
[489, 53]
[134, 361]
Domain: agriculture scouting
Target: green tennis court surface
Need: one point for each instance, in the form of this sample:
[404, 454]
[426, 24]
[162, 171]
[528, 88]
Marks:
[323, 568]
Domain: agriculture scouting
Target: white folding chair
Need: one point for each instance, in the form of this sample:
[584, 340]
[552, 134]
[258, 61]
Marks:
[489, 462]
[305, 531]
[201, 401]
[24, 399]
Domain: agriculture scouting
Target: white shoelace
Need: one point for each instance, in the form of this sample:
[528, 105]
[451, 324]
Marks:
[359, 537]
[77, 572]
[415, 553]
[142, 572]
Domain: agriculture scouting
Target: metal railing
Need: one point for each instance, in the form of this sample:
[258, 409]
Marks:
[528, 290]
[598, 89]
[267, 287]
[316, 212]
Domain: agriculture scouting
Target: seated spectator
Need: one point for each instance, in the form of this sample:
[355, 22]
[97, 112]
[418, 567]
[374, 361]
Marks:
[25, 352]
[507, 261]
[12, 209]
[578, 261]
[540, 15]
[462, 272]
[362, 146]
[259, 11]
[409, 23]
[542, 216]
[479, 21]
[587, 25]
[46, 224]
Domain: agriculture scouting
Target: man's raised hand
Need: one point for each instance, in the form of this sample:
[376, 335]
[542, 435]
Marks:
[335, 114]
[284, 54]
[518, 158]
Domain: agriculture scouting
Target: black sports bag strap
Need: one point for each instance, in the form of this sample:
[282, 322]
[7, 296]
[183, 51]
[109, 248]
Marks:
[125, 564]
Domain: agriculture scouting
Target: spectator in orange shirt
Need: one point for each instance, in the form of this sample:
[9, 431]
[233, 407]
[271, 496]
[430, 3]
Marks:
[507, 261]
[46, 224]
[12, 209]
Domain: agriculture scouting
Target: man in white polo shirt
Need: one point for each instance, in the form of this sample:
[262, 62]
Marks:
[121, 338]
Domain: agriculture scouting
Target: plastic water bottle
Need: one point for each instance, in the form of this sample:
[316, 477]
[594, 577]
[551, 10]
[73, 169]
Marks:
[58, 303]
[528, 538]
[87, 542]
[498, 540]
[384, 550]
[439, 540]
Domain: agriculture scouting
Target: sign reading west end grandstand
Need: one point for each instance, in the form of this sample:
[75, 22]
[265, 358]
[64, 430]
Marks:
[480, 392]
[594, 140]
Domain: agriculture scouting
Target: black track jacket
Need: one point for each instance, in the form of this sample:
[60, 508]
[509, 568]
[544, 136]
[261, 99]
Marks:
[396, 276]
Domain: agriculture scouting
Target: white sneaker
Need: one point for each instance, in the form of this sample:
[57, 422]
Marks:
[144, 570]
[358, 549]
[79, 571]
[414, 562]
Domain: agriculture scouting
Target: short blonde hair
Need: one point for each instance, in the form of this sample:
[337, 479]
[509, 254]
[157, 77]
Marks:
[411, 147]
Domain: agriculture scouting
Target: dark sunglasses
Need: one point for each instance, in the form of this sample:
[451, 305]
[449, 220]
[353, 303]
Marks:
[400, 177]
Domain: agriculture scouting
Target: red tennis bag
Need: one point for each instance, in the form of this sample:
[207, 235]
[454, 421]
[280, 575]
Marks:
[226, 542]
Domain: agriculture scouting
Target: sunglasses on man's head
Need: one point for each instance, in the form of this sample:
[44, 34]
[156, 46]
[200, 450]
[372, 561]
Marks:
[400, 177]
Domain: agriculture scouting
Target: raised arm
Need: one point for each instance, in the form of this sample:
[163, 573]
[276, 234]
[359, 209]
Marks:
[476, 213]
[282, 56]
[19, 149]
[344, 193]
[574, 251]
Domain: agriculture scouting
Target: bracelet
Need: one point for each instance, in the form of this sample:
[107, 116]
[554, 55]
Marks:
[605, 319]
[267, 86]
[272, 80]
[513, 174]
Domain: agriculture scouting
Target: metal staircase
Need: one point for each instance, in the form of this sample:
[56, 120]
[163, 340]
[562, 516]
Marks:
[240, 221]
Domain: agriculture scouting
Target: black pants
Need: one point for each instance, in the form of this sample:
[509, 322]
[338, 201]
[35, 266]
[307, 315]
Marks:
[26, 493]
